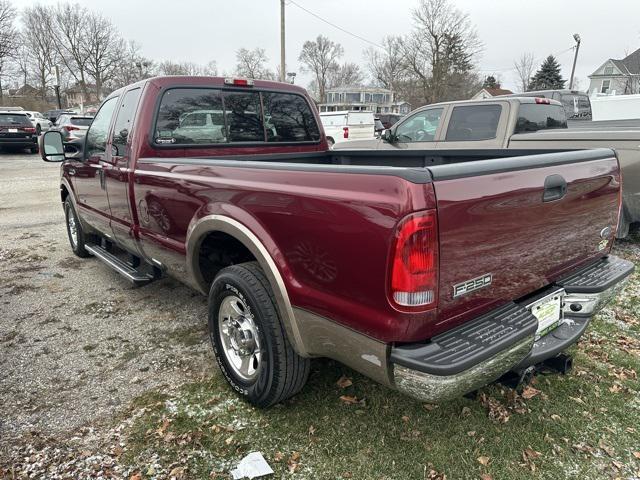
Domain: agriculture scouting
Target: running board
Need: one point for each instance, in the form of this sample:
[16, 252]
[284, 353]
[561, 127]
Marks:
[136, 277]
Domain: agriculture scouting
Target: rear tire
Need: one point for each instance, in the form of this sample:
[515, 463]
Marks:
[248, 338]
[34, 149]
[74, 230]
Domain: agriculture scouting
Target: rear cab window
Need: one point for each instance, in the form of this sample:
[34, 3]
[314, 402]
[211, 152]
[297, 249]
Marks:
[533, 117]
[213, 116]
[473, 123]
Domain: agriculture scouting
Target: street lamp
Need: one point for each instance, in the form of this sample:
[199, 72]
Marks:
[576, 37]
[291, 76]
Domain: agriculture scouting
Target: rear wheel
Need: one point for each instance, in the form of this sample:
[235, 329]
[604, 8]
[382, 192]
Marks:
[34, 149]
[248, 338]
[74, 230]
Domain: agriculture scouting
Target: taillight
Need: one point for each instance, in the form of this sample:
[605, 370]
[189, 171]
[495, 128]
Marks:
[70, 128]
[544, 101]
[414, 262]
[345, 132]
[29, 129]
[239, 82]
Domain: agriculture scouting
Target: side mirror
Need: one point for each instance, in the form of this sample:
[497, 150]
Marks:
[388, 136]
[51, 146]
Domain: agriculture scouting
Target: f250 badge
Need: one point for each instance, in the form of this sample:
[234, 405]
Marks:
[472, 285]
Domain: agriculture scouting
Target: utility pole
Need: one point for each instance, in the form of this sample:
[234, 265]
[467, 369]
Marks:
[57, 87]
[282, 58]
[576, 37]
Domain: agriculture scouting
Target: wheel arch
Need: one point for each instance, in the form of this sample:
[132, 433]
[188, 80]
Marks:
[201, 228]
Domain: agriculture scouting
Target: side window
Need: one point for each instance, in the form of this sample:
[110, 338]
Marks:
[420, 127]
[473, 122]
[288, 118]
[190, 116]
[99, 129]
[244, 116]
[124, 119]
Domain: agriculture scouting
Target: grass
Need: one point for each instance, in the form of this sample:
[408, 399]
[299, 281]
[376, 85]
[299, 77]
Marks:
[582, 425]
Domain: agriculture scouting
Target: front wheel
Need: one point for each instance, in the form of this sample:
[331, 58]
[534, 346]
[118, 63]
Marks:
[248, 339]
[74, 230]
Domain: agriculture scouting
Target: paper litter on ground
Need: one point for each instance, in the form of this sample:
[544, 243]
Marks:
[252, 466]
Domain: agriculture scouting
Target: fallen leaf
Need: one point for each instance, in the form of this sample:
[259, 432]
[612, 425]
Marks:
[312, 430]
[484, 460]
[465, 412]
[577, 400]
[530, 392]
[229, 440]
[429, 406]
[349, 399]
[405, 419]
[637, 455]
[344, 382]
[278, 457]
[486, 476]
[135, 476]
[471, 433]
[177, 472]
[555, 417]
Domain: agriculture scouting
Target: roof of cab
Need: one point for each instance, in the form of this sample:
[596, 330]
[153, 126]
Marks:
[201, 81]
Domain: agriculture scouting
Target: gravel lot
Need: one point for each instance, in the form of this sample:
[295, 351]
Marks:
[77, 342]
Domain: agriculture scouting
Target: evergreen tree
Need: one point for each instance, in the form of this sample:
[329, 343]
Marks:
[548, 77]
[491, 82]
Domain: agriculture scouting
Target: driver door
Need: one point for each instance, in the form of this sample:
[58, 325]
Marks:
[89, 175]
[420, 131]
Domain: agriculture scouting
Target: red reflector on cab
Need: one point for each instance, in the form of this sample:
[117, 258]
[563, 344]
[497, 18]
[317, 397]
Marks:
[239, 82]
[414, 262]
[544, 101]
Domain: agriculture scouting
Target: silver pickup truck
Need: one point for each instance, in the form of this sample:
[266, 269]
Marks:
[518, 123]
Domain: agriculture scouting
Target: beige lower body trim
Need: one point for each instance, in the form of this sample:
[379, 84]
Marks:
[325, 338]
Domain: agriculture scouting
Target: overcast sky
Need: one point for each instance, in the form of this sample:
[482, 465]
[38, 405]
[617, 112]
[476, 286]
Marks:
[204, 30]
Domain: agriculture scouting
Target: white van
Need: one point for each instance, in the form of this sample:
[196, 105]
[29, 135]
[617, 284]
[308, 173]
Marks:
[346, 125]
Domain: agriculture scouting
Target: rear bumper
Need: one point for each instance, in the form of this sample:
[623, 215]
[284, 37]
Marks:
[18, 142]
[481, 351]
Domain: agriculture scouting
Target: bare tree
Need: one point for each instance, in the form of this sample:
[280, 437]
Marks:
[345, 75]
[8, 36]
[104, 48]
[169, 67]
[252, 64]
[524, 66]
[319, 56]
[71, 24]
[387, 66]
[40, 54]
[440, 52]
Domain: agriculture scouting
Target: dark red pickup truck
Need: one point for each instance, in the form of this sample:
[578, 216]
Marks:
[431, 272]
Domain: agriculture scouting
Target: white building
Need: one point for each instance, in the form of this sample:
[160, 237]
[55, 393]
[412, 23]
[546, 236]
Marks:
[619, 76]
[377, 100]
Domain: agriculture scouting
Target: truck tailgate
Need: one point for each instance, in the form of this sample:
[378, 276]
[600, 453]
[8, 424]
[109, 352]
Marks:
[503, 235]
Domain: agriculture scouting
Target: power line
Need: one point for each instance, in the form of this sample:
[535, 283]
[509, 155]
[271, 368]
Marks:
[336, 26]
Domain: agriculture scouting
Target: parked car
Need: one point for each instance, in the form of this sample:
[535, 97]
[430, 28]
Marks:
[17, 132]
[345, 126]
[576, 104]
[39, 121]
[514, 123]
[425, 271]
[72, 126]
[52, 115]
[378, 127]
[389, 119]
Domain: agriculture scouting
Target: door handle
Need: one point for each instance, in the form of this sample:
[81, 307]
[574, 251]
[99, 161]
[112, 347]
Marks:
[103, 184]
[555, 188]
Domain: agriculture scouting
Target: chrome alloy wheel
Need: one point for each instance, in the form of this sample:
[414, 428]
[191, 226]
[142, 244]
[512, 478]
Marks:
[73, 228]
[239, 337]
